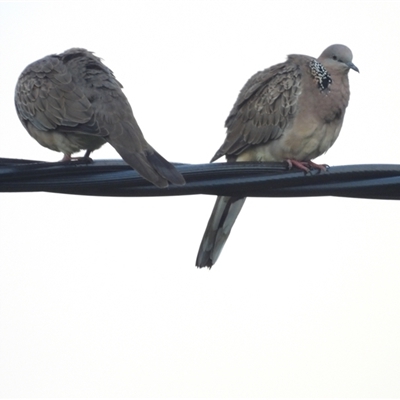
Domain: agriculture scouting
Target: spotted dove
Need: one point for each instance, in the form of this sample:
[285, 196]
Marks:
[291, 112]
[72, 101]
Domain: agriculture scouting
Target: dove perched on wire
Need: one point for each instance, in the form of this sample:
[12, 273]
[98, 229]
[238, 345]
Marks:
[290, 112]
[71, 101]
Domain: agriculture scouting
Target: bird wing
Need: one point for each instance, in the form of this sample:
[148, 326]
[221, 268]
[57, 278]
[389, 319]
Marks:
[47, 97]
[265, 106]
[115, 120]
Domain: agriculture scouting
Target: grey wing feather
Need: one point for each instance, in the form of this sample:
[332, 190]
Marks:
[118, 126]
[265, 106]
[47, 97]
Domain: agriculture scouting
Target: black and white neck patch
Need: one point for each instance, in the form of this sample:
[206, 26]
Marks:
[320, 74]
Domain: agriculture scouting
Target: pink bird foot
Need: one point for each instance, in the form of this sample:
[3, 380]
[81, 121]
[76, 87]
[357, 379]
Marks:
[306, 165]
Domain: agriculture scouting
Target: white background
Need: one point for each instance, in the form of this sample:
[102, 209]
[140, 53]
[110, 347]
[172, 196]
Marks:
[100, 296]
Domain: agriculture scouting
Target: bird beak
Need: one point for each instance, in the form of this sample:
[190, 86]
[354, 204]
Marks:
[352, 66]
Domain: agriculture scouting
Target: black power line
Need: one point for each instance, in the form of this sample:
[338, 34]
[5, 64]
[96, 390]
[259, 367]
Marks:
[116, 178]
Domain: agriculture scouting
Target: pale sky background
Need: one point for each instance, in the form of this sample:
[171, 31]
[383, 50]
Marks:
[100, 296]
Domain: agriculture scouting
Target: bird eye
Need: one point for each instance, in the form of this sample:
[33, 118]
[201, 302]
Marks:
[334, 57]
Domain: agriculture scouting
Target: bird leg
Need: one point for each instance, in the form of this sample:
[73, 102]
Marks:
[322, 167]
[306, 165]
[67, 157]
[87, 154]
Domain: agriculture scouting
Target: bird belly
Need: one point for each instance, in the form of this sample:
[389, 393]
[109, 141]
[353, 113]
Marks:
[304, 146]
[295, 144]
[66, 143]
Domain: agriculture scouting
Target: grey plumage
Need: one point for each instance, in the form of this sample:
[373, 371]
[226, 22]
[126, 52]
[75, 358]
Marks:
[292, 111]
[72, 101]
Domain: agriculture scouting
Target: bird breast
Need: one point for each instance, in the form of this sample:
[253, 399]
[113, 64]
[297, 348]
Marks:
[315, 126]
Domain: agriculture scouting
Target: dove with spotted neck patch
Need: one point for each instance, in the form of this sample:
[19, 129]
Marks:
[293, 112]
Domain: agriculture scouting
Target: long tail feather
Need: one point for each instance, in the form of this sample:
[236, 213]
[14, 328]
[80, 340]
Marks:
[219, 226]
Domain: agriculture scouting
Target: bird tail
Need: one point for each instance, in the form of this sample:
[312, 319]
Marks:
[151, 165]
[223, 216]
[127, 138]
[165, 168]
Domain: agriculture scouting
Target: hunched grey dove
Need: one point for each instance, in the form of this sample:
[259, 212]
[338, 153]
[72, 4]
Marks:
[71, 101]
